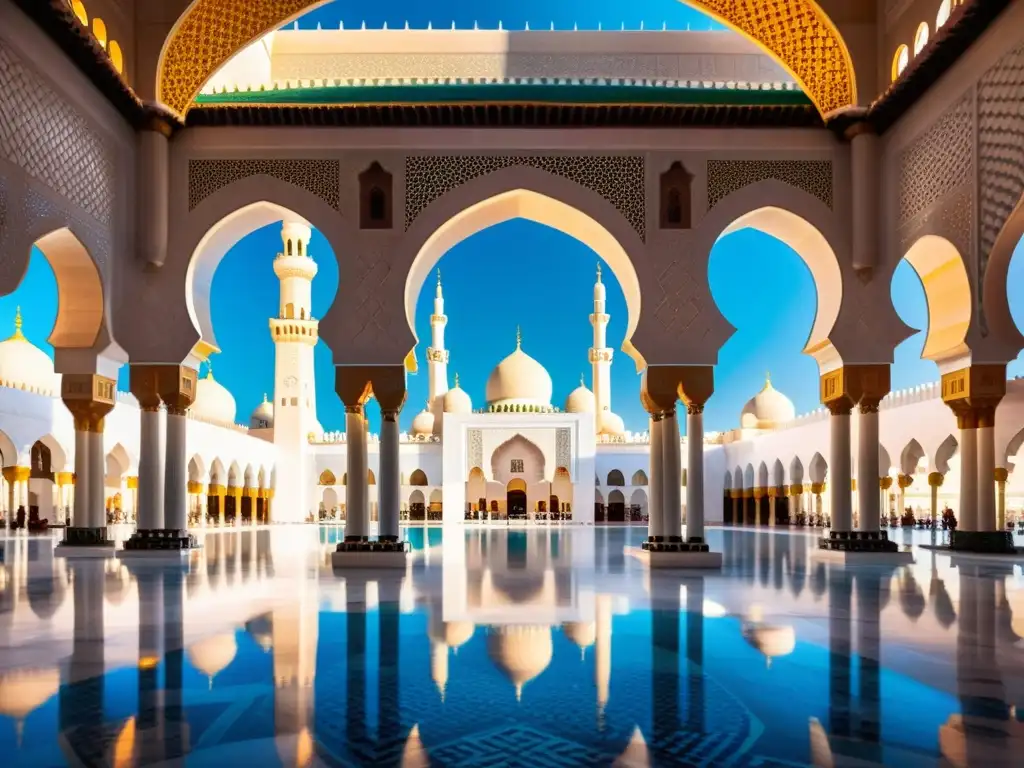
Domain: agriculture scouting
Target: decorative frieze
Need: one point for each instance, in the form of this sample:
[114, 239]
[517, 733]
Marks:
[563, 448]
[475, 455]
[727, 176]
[318, 177]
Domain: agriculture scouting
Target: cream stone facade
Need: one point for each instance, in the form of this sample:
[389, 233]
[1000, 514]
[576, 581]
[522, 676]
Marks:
[134, 184]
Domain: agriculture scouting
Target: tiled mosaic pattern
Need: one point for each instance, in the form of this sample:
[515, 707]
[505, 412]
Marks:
[319, 177]
[45, 136]
[727, 176]
[619, 179]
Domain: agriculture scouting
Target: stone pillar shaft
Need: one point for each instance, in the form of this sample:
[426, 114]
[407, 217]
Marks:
[655, 526]
[82, 473]
[986, 510]
[388, 482]
[357, 522]
[867, 468]
[839, 470]
[176, 472]
[97, 517]
[967, 518]
[695, 473]
[671, 468]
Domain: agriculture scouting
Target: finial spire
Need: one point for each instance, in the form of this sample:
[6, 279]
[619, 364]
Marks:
[438, 277]
[767, 378]
[599, 271]
[581, 381]
[265, 401]
[17, 325]
[456, 380]
[209, 369]
[519, 337]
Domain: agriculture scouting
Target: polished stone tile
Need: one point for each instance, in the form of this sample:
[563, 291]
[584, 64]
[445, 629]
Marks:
[531, 647]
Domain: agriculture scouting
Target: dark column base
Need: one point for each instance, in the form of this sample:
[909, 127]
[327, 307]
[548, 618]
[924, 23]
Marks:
[388, 539]
[858, 541]
[86, 537]
[161, 539]
[988, 542]
[677, 545]
[374, 546]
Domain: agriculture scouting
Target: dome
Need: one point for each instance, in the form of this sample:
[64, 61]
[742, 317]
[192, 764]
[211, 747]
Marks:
[423, 424]
[263, 415]
[212, 655]
[452, 634]
[519, 380]
[24, 690]
[767, 409]
[583, 634]
[612, 424]
[521, 653]
[25, 366]
[213, 401]
[456, 400]
[636, 753]
[772, 641]
[580, 400]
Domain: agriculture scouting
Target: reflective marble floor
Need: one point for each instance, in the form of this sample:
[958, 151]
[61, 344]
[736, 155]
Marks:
[498, 647]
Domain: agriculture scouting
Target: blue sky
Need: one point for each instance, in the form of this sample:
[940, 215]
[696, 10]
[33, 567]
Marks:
[514, 14]
[761, 286]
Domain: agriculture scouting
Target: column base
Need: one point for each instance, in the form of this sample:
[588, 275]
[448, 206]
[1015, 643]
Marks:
[858, 541]
[699, 556]
[372, 554]
[984, 542]
[675, 544]
[86, 537]
[161, 540]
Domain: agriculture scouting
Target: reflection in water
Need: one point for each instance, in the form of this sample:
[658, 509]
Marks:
[528, 647]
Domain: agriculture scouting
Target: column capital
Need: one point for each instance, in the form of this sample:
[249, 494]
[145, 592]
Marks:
[663, 385]
[796, 489]
[694, 409]
[173, 385]
[869, 404]
[885, 483]
[904, 481]
[817, 488]
[352, 383]
[89, 397]
[935, 479]
[16, 474]
[1001, 474]
[974, 392]
[389, 414]
[131, 482]
[849, 385]
[64, 478]
[389, 388]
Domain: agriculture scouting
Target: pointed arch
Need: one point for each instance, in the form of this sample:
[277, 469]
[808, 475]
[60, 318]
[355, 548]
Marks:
[639, 478]
[762, 475]
[778, 473]
[947, 449]
[58, 456]
[796, 471]
[749, 479]
[196, 470]
[8, 453]
[419, 477]
[737, 479]
[910, 457]
[615, 478]
[327, 478]
[818, 468]
[218, 475]
[371, 479]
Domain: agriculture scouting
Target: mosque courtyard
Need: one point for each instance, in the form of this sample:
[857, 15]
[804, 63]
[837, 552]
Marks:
[506, 646]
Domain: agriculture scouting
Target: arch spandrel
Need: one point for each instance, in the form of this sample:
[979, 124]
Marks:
[798, 34]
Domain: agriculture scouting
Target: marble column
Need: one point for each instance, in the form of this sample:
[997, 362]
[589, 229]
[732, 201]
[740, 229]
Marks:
[934, 483]
[986, 509]
[176, 469]
[839, 467]
[867, 466]
[357, 523]
[672, 481]
[967, 518]
[695, 473]
[150, 513]
[89, 398]
[655, 525]
[1001, 475]
[388, 483]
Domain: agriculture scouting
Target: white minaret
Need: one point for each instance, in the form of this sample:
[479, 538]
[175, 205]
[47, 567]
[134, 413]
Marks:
[600, 355]
[437, 359]
[295, 334]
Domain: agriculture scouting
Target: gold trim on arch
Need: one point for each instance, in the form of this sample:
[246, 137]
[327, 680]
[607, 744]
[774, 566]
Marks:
[798, 34]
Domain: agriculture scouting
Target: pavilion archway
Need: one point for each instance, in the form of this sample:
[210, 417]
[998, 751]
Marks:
[798, 34]
[525, 192]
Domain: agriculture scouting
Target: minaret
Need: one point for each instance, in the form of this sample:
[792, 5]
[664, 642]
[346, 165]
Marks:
[600, 355]
[295, 334]
[437, 359]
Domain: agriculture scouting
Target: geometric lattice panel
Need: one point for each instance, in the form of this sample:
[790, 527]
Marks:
[938, 161]
[476, 449]
[1000, 147]
[619, 179]
[727, 176]
[319, 177]
[563, 447]
[51, 142]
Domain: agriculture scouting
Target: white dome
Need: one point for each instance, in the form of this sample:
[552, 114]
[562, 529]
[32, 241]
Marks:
[519, 380]
[212, 655]
[423, 424]
[25, 366]
[24, 690]
[612, 424]
[263, 415]
[456, 400]
[520, 652]
[213, 401]
[767, 409]
[580, 400]
[772, 641]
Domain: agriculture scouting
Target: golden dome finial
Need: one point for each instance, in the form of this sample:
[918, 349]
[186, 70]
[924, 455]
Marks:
[767, 378]
[17, 326]
[519, 337]
[599, 271]
[581, 381]
[209, 369]
[456, 379]
[265, 401]
[438, 277]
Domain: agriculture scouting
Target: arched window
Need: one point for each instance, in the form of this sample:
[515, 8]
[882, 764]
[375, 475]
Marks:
[945, 7]
[289, 248]
[675, 197]
[674, 212]
[116, 56]
[418, 477]
[99, 31]
[900, 61]
[378, 204]
[289, 311]
[615, 478]
[921, 37]
[79, 10]
[375, 198]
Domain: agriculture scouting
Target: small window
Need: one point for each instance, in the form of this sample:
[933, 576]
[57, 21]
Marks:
[302, 314]
[289, 309]
[900, 62]
[378, 203]
[283, 402]
[99, 31]
[295, 401]
[116, 56]
[921, 37]
[943, 16]
[289, 247]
